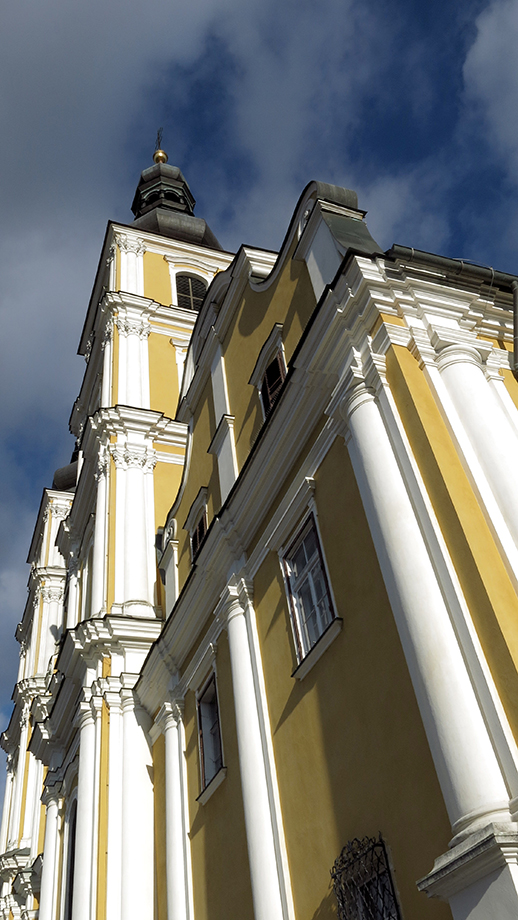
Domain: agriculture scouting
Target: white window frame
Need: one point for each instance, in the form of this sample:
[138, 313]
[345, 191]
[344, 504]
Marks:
[272, 347]
[209, 786]
[308, 652]
[196, 511]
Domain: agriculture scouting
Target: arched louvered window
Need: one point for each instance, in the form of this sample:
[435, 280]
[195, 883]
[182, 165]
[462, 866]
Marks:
[190, 291]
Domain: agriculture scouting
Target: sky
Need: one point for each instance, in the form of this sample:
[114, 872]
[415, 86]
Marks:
[414, 105]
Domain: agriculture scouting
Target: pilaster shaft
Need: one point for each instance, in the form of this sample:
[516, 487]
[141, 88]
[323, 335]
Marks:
[86, 805]
[50, 854]
[259, 830]
[178, 863]
[467, 768]
[137, 813]
[486, 424]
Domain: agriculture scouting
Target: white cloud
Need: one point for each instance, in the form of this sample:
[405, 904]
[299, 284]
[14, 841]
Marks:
[491, 79]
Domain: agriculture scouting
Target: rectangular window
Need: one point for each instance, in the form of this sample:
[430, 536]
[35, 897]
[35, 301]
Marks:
[363, 883]
[209, 733]
[272, 382]
[311, 607]
[198, 534]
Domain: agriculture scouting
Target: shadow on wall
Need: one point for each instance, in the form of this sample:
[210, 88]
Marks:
[327, 910]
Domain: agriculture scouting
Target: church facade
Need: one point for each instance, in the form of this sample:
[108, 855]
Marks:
[268, 661]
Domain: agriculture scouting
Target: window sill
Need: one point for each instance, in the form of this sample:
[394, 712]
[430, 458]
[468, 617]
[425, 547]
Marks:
[320, 646]
[211, 787]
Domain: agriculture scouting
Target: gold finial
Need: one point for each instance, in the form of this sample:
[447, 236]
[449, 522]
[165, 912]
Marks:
[159, 156]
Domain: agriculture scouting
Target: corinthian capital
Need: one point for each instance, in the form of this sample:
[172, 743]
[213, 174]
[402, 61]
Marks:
[132, 327]
[127, 244]
[50, 594]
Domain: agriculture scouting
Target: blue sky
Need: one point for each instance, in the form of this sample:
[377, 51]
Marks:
[412, 104]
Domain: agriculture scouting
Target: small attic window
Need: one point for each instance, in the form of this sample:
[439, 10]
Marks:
[197, 522]
[190, 291]
[272, 382]
[199, 531]
[269, 372]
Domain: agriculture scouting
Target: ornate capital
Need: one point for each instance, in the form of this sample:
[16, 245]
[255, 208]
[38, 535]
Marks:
[170, 715]
[133, 327]
[107, 334]
[89, 346]
[51, 593]
[234, 600]
[126, 244]
[126, 457]
[60, 511]
[101, 466]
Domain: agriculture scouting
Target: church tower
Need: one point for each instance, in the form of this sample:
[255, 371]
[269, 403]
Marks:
[96, 602]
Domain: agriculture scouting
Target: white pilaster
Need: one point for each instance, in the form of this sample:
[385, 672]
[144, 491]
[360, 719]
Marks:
[107, 348]
[137, 810]
[486, 424]
[73, 594]
[14, 824]
[98, 573]
[224, 447]
[131, 263]
[86, 807]
[8, 795]
[264, 872]
[178, 866]
[137, 587]
[115, 760]
[470, 777]
[49, 875]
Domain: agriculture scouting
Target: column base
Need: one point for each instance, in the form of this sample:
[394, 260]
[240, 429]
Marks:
[134, 609]
[479, 877]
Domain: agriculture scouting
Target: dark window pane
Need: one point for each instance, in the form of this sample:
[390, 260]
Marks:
[310, 599]
[190, 292]
[210, 733]
[198, 534]
[272, 382]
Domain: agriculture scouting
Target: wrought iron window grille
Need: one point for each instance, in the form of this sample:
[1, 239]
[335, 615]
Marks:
[363, 883]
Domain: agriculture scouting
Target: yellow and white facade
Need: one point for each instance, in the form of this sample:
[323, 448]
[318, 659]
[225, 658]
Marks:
[273, 607]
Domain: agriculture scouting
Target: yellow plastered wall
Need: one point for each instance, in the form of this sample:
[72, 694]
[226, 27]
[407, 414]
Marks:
[160, 835]
[163, 375]
[484, 580]
[41, 833]
[221, 875]
[290, 301]
[351, 752]
[157, 280]
[511, 385]
[203, 471]
[167, 478]
[26, 761]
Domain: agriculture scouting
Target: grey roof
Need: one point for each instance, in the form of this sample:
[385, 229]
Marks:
[164, 204]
